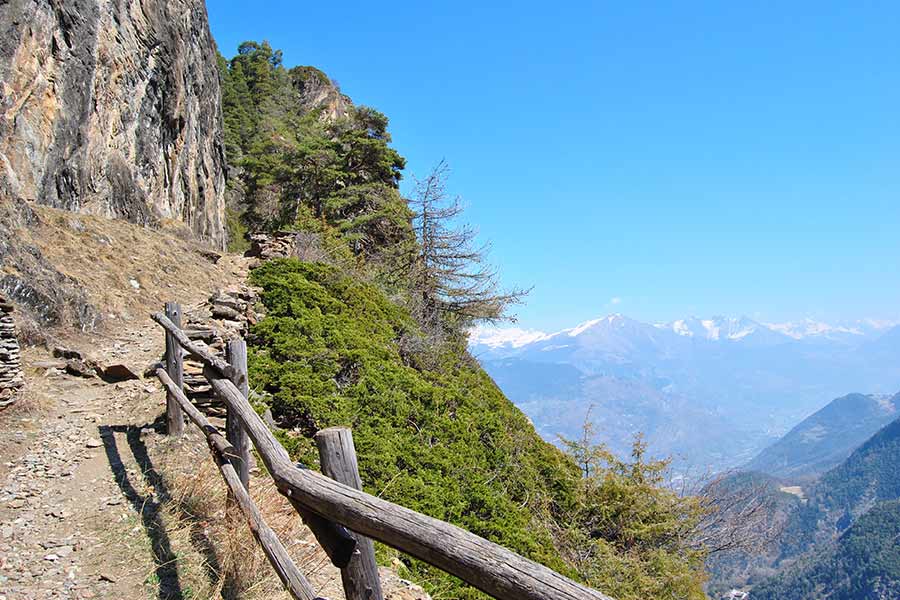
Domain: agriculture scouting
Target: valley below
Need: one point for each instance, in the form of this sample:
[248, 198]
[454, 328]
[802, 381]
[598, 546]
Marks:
[768, 420]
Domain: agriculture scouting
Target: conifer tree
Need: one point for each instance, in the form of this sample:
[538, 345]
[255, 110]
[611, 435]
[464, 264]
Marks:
[450, 275]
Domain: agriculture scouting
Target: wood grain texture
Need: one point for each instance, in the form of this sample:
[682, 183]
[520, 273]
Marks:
[175, 369]
[236, 354]
[337, 455]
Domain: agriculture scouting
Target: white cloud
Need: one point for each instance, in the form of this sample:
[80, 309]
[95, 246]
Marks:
[615, 300]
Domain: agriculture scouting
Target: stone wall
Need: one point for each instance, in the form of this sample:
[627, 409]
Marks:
[10, 365]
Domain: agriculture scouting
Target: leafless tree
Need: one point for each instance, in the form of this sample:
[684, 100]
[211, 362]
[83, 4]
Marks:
[738, 516]
[449, 271]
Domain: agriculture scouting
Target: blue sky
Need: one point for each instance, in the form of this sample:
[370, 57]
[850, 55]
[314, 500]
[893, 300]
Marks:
[684, 158]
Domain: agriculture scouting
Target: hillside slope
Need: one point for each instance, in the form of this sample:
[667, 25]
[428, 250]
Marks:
[870, 475]
[432, 431]
[862, 564]
[840, 539]
[824, 439]
[68, 272]
[812, 520]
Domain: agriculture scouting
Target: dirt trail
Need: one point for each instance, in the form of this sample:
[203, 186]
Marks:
[77, 472]
[83, 500]
[79, 496]
[74, 471]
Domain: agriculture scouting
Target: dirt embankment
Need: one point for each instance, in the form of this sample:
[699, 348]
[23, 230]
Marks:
[71, 272]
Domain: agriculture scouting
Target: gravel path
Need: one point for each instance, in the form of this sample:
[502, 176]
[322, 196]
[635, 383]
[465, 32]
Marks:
[81, 500]
[74, 472]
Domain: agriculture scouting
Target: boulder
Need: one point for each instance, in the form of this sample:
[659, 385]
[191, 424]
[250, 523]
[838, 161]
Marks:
[116, 373]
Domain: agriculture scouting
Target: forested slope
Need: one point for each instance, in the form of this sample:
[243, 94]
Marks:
[868, 476]
[842, 542]
[862, 564]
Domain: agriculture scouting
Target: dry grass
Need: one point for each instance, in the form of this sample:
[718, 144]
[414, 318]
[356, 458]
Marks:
[105, 256]
[113, 273]
[218, 555]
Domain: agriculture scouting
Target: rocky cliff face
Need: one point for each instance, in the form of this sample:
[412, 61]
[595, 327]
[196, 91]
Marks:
[315, 91]
[113, 107]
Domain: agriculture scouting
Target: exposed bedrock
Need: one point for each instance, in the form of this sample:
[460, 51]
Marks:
[112, 107]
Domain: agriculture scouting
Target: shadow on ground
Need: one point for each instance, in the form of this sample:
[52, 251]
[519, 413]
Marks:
[150, 507]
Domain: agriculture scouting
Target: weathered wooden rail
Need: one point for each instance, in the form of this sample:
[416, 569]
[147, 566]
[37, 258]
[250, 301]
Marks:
[332, 503]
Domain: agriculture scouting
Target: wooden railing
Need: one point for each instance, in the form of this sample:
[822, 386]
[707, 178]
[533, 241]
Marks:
[342, 517]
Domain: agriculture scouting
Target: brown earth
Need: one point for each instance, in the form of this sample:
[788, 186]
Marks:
[95, 501]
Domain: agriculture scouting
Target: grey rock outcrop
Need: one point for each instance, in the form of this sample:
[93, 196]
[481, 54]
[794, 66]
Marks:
[113, 107]
[47, 296]
[316, 92]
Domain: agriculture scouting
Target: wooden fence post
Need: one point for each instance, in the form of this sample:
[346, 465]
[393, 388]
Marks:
[338, 458]
[236, 355]
[175, 370]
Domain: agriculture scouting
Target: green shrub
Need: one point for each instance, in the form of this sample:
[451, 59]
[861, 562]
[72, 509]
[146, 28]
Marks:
[442, 441]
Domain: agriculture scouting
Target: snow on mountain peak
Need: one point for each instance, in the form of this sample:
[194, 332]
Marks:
[496, 337]
[717, 328]
[713, 329]
[812, 328]
[578, 329]
[612, 319]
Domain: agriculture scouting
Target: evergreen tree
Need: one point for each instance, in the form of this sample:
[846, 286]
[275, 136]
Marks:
[629, 535]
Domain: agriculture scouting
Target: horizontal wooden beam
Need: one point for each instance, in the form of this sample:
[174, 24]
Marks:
[493, 569]
[293, 580]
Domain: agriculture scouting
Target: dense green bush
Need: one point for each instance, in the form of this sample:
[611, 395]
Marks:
[443, 441]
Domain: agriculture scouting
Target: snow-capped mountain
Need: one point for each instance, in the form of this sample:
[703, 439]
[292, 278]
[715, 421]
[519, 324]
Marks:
[496, 337]
[810, 328]
[717, 328]
[719, 387]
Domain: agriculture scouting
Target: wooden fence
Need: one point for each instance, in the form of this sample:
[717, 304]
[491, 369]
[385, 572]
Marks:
[343, 518]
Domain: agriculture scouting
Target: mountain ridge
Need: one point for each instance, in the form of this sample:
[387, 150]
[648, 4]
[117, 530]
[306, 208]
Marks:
[711, 328]
[748, 384]
[824, 439]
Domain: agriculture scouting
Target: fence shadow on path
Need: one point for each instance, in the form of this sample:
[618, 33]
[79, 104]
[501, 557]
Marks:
[151, 506]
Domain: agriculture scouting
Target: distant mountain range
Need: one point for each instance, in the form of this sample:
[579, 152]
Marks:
[715, 328]
[824, 439]
[711, 392]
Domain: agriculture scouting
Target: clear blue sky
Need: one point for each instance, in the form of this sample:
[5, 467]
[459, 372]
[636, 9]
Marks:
[685, 157]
